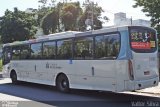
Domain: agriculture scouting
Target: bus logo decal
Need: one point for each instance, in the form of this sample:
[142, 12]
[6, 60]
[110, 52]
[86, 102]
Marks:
[52, 66]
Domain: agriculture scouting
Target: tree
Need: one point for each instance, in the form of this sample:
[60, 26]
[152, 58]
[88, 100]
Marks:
[91, 16]
[17, 26]
[45, 7]
[50, 3]
[69, 15]
[41, 13]
[50, 22]
[151, 8]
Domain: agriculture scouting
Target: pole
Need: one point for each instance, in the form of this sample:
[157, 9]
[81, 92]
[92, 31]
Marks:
[92, 27]
[131, 21]
[88, 3]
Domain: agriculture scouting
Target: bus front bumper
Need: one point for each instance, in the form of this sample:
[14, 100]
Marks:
[5, 72]
[5, 75]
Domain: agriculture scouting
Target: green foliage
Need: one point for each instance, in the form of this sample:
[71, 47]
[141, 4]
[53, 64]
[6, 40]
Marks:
[92, 11]
[51, 17]
[41, 13]
[17, 26]
[70, 14]
[49, 22]
[151, 8]
[44, 9]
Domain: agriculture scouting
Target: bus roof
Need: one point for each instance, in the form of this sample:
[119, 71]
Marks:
[70, 34]
[55, 36]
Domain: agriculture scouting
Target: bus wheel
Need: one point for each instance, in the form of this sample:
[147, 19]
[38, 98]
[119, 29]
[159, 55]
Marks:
[14, 77]
[62, 83]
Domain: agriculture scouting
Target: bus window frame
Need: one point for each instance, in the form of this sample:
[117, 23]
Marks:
[72, 42]
[108, 34]
[94, 45]
[73, 39]
[41, 57]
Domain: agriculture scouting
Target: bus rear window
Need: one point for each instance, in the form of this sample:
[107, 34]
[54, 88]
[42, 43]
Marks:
[143, 40]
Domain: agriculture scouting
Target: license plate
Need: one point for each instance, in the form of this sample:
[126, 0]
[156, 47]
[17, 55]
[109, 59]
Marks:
[146, 72]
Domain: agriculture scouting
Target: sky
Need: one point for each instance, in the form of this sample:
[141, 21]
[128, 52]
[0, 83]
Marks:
[109, 6]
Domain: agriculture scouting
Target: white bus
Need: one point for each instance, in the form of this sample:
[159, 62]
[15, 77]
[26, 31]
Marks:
[112, 59]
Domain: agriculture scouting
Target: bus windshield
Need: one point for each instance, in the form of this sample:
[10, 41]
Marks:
[142, 40]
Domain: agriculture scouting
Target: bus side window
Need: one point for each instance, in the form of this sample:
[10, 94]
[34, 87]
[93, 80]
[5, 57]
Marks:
[49, 50]
[16, 52]
[113, 45]
[99, 47]
[36, 51]
[83, 48]
[25, 51]
[64, 49]
[107, 46]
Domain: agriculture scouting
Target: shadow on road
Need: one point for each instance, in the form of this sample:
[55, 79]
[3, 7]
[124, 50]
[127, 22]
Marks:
[79, 98]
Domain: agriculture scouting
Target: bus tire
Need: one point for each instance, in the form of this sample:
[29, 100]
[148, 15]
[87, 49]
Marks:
[14, 77]
[62, 83]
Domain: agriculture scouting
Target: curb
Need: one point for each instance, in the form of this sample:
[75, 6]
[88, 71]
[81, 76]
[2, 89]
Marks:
[147, 92]
[152, 90]
[0, 75]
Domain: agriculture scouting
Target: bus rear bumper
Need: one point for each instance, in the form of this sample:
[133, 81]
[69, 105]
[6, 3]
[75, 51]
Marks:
[141, 84]
[146, 83]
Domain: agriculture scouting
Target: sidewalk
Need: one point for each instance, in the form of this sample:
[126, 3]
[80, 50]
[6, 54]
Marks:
[152, 90]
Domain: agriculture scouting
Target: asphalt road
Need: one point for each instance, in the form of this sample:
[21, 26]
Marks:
[35, 95]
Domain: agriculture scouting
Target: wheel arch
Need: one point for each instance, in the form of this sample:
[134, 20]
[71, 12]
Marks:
[62, 83]
[11, 72]
[59, 74]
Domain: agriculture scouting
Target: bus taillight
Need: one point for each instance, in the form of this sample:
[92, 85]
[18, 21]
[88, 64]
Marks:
[130, 70]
